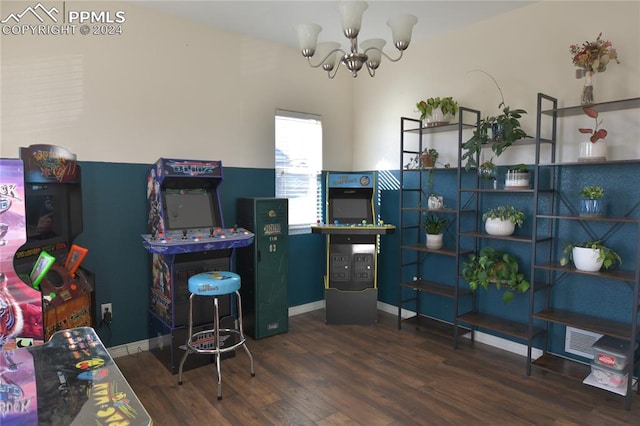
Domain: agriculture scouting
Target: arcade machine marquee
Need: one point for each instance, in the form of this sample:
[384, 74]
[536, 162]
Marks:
[186, 236]
[352, 230]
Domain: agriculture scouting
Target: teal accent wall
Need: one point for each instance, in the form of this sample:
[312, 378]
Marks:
[115, 215]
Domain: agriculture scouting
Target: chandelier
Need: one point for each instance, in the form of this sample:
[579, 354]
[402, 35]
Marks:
[370, 53]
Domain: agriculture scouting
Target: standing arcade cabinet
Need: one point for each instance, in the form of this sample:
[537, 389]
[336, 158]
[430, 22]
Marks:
[352, 229]
[186, 237]
[17, 299]
[49, 262]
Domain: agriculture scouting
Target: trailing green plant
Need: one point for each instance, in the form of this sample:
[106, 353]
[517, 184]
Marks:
[505, 127]
[447, 105]
[434, 224]
[608, 256]
[592, 192]
[491, 266]
[506, 213]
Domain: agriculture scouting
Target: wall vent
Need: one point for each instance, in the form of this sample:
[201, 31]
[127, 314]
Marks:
[578, 342]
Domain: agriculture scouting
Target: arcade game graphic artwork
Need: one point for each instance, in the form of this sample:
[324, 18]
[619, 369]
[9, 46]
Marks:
[17, 299]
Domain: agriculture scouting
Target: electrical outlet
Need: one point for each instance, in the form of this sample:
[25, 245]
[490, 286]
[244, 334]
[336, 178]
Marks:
[107, 313]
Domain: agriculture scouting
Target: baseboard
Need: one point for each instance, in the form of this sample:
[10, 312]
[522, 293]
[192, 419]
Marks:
[487, 339]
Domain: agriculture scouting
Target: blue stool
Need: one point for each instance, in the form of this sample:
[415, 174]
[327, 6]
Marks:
[215, 284]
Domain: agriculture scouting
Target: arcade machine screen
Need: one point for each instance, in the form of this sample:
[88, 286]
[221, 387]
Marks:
[351, 207]
[189, 208]
[46, 217]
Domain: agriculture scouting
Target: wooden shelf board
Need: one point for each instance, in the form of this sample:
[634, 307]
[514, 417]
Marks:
[562, 366]
[517, 238]
[501, 325]
[600, 107]
[586, 322]
[591, 218]
[435, 326]
[618, 275]
[435, 288]
[423, 248]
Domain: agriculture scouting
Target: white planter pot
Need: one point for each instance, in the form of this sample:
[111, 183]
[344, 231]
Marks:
[434, 241]
[592, 151]
[517, 179]
[438, 118]
[495, 226]
[586, 259]
[435, 202]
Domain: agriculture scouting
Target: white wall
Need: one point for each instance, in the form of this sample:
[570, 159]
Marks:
[166, 87]
[527, 51]
[174, 88]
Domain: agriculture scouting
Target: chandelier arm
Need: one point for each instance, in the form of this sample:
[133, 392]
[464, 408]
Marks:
[385, 55]
[325, 58]
[335, 71]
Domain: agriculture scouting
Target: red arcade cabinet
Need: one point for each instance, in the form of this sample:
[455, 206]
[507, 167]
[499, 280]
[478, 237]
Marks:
[187, 237]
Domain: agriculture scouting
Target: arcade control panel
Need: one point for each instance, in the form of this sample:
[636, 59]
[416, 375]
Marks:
[196, 240]
[353, 228]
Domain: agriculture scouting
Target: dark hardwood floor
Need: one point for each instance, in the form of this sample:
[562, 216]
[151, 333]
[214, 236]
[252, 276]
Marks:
[318, 374]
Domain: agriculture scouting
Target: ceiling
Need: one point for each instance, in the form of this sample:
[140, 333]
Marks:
[274, 20]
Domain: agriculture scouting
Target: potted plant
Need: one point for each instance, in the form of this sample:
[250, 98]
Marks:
[517, 177]
[434, 226]
[429, 157]
[589, 256]
[505, 130]
[503, 220]
[491, 266]
[591, 202]
[437, 111]
[591, 150]
[488, 170]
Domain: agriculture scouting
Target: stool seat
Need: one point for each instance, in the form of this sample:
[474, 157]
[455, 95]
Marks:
[216, 283]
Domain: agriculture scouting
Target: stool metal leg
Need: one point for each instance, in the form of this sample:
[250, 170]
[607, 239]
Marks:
[216, 320]
[243, 339]
[190, 334]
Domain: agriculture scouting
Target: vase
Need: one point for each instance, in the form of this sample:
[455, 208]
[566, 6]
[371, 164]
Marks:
[434, 241]
[435, 202]
[590, 151]
[586, 259]
[438, 118]
[497, 226]
[590, 207]
[587, 88]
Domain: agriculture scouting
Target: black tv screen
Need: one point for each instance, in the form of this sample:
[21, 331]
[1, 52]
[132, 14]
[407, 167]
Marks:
[351, 210]
[189, 208]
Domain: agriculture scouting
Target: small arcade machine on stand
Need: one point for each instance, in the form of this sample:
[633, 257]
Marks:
[49, 261]
[187, 237]
[352, 229]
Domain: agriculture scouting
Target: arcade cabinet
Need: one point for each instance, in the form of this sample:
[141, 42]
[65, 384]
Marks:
[352, 229]
[186, 237]
[53, 205]
[263, 267]
[16, 296]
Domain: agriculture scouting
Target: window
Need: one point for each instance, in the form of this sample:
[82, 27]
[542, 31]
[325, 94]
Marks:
[298, 166]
